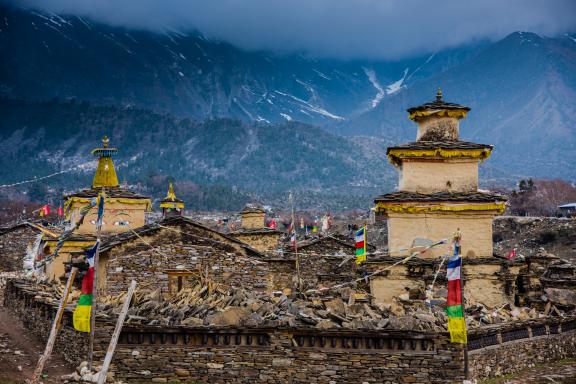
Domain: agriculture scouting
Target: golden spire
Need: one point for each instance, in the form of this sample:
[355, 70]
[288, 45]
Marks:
[171, 195]
[439, 95]
[105, 175]
[171, 201]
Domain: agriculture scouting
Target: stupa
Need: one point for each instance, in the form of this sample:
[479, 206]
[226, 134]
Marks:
[437, 198]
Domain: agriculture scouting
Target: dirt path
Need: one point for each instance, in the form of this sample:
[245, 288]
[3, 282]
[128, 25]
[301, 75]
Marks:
[20, 350]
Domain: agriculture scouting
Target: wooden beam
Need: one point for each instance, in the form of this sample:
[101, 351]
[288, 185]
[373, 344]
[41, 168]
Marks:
[116, 334]
[55, 328]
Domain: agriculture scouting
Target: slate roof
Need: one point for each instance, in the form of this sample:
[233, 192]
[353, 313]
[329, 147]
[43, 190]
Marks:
[480, 197]
[115, 240]
[110, 192]
[438, 104]
[424, 145]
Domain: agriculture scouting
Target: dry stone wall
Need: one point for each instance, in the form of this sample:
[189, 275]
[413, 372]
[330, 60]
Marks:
[513, 347]
[171, 250]
[248, 355]
[13, 245]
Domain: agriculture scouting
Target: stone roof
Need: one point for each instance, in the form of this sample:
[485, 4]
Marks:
[321, 239]
[480, 197]
[426, 145]
[253, 208]
[256, 231]
[119, 239]
[438, 104]
[110, 192]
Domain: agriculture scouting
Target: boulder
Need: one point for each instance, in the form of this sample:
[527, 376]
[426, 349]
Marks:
[559, 296]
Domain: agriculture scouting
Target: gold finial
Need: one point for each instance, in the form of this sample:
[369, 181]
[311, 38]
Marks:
[105, 141]
[439, 95]
[171, 195]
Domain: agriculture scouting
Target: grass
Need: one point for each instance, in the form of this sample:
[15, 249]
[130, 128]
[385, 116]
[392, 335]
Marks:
[511, 376]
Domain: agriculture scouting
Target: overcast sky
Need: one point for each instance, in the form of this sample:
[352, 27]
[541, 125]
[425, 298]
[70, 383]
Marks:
[387, 29]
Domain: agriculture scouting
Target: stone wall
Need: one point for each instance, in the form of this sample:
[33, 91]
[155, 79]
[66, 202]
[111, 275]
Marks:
[173, 250]
[476, 228]
[13, 244]
[513, 347]
[260, 240]
[429, 176]
[265, 355]
[37, 315]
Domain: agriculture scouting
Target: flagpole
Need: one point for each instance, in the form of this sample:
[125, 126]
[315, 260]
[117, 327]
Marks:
[462, 280]
[295, 243]
[95, 288]
[466, 368]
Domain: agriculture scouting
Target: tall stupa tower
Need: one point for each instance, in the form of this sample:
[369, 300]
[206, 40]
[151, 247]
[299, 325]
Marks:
[438, 186]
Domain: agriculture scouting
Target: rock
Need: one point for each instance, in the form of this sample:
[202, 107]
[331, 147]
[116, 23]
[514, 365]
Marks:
[181, 372]
[215, 365]
[336, 306]
[561, 296]
[230, 317]
[74, 376]
[325, 324]
[159, 380]
[193, 321]
[426, 317]
[135, 353]
[281, 362]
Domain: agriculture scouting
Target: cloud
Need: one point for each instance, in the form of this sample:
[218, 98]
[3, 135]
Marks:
[386, 29]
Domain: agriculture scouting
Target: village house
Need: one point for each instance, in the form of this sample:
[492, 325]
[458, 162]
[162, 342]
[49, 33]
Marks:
[253, 230]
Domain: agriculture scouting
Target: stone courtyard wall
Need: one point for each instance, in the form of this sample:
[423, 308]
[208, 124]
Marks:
[13, 245]
[300, 355]
[248, 355]
[509, 348]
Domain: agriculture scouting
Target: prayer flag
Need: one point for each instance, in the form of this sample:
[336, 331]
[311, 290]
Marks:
[81, 317]
[512, 254]
[361, 245]
[100, 211]
[454, 310]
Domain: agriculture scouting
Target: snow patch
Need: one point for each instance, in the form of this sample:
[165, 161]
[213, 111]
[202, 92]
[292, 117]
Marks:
[374, 80]
[321, 74]
[397, 85]
[287, 117]
[181, 74]
[311, 108]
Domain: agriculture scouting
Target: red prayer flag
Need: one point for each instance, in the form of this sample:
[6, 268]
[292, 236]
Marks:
[512, 254]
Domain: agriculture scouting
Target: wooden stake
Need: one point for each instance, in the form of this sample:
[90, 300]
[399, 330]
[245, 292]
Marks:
[466, 368]
[295, 244]
[55, 328]
[116, 334]
[95, 290]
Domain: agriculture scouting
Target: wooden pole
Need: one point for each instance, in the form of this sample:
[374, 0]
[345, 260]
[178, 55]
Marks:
[466, 365]
[295, 244]
[95, 292]
[116, 334]
[55, 328]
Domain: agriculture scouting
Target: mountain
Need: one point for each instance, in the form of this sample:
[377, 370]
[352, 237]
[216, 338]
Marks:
[47, 56]
[238, 125]
[522, 91]
[261, 161]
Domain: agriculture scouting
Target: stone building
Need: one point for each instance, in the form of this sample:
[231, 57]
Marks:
[254, 231]
[437, 196]
[123, 210]
[167, 254]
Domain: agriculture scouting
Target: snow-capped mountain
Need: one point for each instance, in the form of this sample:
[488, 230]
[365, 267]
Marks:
[48, 56]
